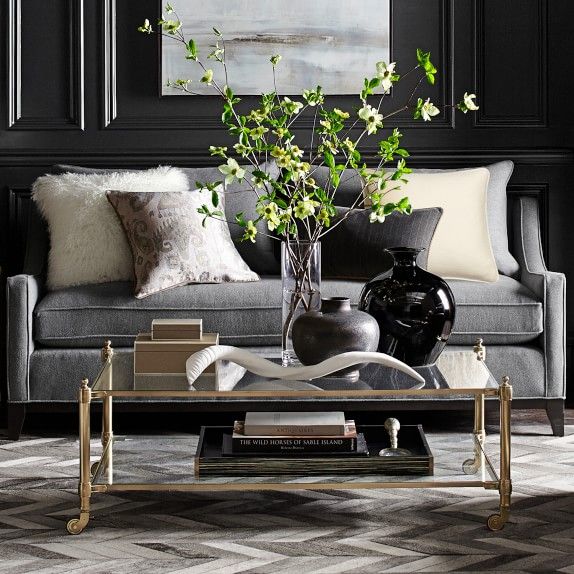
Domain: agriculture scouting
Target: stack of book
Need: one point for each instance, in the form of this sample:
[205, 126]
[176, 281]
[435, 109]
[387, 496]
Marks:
[288, 434]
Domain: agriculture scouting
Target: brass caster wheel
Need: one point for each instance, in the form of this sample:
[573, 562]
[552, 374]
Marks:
[77, 525]
[74, 526]
[496, 522]
[470, 466]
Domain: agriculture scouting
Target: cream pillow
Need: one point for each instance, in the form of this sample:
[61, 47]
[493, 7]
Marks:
[87, 242]
[461, 247]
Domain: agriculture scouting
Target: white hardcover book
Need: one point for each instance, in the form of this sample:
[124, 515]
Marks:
[294, 423]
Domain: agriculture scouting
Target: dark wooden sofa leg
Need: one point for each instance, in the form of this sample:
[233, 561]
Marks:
[16, 416]
[555, 412]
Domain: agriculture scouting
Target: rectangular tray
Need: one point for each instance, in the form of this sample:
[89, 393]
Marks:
[210, 461]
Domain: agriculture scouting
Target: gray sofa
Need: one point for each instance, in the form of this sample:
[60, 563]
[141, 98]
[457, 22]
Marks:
[54, 338]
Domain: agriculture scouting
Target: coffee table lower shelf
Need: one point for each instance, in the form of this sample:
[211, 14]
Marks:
[125, 466]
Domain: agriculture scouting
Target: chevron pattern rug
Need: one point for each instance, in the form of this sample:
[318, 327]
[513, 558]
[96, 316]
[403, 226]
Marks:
[296, 532]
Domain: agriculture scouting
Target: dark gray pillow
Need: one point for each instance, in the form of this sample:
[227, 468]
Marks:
[500, 172]
[355, 249]
[261, 255]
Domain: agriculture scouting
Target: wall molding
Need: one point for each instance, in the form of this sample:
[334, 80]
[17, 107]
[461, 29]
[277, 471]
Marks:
[75, 118]
[18, 198]
[108, 57]
[538, 119]
[445, 65]
[112, 121]
[10, 157]
[540, 192]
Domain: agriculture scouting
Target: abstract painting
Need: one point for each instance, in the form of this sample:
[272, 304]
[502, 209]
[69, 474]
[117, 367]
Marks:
[333, 43]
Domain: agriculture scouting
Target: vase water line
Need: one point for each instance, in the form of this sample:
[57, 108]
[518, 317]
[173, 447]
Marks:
[301, 288]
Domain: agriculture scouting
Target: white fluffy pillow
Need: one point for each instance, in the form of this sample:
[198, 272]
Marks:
[88, 244]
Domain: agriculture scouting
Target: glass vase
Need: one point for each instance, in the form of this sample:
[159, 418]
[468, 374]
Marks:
[301, 284]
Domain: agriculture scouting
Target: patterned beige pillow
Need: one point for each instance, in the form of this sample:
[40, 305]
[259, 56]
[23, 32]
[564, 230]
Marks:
[170, 247]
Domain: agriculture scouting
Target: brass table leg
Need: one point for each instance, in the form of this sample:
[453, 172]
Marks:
[473, 465]
[107, 436]
[107, 432]
[77, 525]
[497, 521]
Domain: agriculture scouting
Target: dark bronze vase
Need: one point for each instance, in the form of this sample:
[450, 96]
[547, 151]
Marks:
[334, 329]
[414, 309]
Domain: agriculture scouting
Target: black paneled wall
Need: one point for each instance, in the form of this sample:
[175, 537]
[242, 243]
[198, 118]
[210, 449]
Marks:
[81, 86]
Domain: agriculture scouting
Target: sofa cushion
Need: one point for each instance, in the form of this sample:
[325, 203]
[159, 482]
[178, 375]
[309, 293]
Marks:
[504, 312]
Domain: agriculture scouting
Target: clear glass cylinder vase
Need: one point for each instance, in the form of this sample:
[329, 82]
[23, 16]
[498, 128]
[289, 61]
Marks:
[301, 283]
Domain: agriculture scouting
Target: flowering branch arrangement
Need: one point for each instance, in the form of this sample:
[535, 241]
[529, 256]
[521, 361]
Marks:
[293, 206]
[267, 132]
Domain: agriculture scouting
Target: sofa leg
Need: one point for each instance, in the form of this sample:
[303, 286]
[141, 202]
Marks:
[16, 416]
[555, 412]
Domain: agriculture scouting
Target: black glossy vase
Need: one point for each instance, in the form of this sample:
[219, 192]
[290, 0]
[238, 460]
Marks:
[334, 329]
[414, 309]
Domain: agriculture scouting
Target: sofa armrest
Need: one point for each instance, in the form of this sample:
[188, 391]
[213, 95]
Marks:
[549, 286]
[23, 292]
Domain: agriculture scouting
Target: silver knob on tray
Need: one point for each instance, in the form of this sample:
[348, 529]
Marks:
[392, 426]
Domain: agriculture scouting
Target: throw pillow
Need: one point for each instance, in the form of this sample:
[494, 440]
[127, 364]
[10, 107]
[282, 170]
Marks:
[496, 208]
[169, 244]
[87, 243]
[354, 248]
[461, 247]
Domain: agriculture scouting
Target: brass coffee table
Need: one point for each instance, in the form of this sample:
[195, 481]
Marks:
[457, 374]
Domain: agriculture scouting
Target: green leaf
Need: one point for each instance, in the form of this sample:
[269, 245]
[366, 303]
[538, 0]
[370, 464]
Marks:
[329, 159]
[240, 220]
[191, 50]
[214, 198]
[404, 203]
[216, 32]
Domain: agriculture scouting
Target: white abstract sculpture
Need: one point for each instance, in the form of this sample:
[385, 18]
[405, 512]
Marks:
[199, 361]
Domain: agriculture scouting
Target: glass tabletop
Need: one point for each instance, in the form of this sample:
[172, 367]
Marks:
[455, 373]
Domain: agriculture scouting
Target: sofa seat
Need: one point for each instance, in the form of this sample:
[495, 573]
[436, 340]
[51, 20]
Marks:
[244, 314]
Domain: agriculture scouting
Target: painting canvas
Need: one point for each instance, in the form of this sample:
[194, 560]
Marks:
[326, 42]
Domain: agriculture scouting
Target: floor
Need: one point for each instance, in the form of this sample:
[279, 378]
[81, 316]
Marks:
[324, 532]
